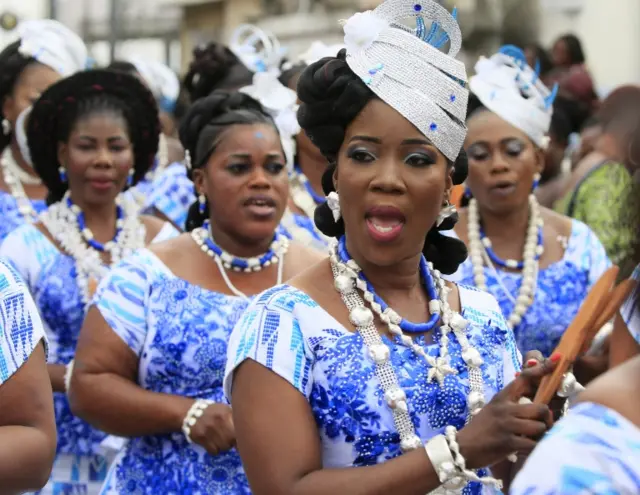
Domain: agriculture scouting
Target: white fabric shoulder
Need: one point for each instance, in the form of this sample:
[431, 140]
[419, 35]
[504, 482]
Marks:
[586, 251]
[21, 329]
[167, 232]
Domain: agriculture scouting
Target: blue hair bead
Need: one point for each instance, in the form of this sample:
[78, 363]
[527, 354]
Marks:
[433, 127]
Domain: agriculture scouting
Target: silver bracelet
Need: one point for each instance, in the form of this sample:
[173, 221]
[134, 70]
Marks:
[68, 372]
[193, 415]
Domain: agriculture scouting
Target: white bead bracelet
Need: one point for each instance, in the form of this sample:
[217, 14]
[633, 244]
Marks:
[68, 371]
[193, 415]
[461, 465]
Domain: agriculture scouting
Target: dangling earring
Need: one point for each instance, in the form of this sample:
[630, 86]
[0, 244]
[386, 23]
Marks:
[202, 199]
[536, 182]
[333, 202]
[63, 174]
[187, 159]
[130, 178]
[447, 211]
[467, 192]
[6, 127]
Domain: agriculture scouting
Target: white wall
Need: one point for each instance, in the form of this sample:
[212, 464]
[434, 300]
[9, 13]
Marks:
[609, 31]
[25, 10]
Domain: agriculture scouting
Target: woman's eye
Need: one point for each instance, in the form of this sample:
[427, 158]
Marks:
[274, 168]
[360, 155]
[478, 153]
[419, 160]
[514, 148]
[238, 168]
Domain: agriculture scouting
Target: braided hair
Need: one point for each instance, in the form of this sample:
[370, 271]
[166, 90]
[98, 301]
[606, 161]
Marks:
[202, 127]
[215, 66]
[332, 96]
[12, 64]
[60, 107]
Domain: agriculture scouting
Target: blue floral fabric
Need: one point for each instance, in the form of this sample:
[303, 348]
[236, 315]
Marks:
[179, 332]
[302, 229]
[630, 310]
[51, 278]
[286, 331]
[593, 450]
[560, 290]
[11, 216]
[21, 329]
[171, 193]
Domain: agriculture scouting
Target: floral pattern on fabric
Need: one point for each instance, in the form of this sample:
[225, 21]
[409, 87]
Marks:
[602, 201]
[593, 450]
[179, 332]
[289, 333]
[11, 216]
[302, 229]
[171, 193]
[21, 329]
[560, 290]
[51, 278]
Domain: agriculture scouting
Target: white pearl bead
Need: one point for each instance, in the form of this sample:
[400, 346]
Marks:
[478, 270]
[411, 443]
[379, 353]
[343, 284]
[434, 306]
[361, 316]
[515, 320]
[512, 263]
[520, 309]
[472, 357]
[458, 323]
[475, 400]
[476, 259]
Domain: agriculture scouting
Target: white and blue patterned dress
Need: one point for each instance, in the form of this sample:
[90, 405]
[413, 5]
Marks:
[50, 275]
[286, 331]
[179, 332]
[21, 329]
[593, 450]
[561, 288]
[11, 216]
[171, 193]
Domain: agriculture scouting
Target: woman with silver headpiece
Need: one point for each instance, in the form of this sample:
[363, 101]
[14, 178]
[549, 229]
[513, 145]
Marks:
[45, 52]
[539, 265]
[331, 389]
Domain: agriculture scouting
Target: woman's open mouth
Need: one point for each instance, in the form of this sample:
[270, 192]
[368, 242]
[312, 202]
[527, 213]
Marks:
[384, 223]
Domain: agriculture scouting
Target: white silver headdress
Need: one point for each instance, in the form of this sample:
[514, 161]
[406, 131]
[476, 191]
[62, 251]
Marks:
[507, 86]
[162, 81]
[281, 103]
[407, 70]
[257, 49]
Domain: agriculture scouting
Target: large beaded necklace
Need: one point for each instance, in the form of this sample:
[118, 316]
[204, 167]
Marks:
[481, 253]
[14, 177]
[348, 280]
[226, 261]
[65, 223]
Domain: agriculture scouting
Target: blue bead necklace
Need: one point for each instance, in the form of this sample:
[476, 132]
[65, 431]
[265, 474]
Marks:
[238, 264]
[512, 264]
[303, 178]
[88, 235]
[429, 285]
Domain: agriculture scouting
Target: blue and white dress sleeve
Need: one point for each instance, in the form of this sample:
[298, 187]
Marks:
[21, 329]
[28, 251]
[172, 193]
[122, 297]
[593, 450]
[269, 333]
[590, 252]
[630, 310]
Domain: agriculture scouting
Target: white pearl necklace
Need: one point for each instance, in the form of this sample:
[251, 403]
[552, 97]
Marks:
[279, 247]
[62, 224]
[347, 282]
[479, 257]
[14, 177]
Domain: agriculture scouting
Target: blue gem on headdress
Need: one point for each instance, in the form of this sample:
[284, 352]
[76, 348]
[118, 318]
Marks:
[517, 54]
[375, 69]
[536, 72]
[368, 80]
[452, 98]
[417, 7]
[548, 101]
[433, 127]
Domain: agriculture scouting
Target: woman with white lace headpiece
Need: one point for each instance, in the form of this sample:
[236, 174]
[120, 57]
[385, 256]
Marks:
[332, 390]
[45, 52]
[539, 265]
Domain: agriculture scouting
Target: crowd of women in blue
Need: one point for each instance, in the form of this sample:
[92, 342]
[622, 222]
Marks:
[254, 280]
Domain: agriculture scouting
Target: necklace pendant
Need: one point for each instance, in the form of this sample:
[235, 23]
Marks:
[440, 370]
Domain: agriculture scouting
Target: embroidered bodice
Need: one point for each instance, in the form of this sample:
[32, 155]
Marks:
[10, 216]
[179, 332]
[561, 288]
[286, 331]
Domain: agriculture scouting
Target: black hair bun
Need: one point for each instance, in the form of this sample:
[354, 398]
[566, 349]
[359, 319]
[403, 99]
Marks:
[214, 66]
[446, 253]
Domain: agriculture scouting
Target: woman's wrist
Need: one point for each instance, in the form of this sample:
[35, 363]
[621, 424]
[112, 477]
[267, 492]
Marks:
[194, 413]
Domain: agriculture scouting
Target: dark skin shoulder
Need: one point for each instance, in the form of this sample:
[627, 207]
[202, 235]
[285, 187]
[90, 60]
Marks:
[153, 227]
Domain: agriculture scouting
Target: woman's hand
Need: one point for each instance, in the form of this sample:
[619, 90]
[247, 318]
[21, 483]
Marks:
[504, 425]
[214, 430]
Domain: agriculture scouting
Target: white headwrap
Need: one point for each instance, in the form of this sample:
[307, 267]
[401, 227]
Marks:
[281, 103]
[507, 86]
[257, 49]
[407, 70]
[54, 45]
[162, 81]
